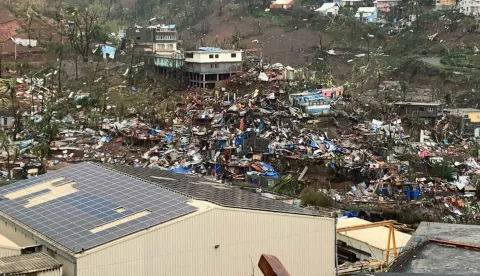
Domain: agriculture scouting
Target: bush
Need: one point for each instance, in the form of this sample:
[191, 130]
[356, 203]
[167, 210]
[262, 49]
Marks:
[443, 170]
[312, 197]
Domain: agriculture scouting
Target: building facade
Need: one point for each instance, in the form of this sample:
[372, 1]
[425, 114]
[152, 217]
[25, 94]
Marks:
[281, 4]
[208, 66]
[6, 119]
[366, 14]
[445, 4]
[425, 110]
[470, 7]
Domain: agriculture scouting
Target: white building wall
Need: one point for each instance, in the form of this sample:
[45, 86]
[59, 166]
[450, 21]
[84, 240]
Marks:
[68, 268]
[8, 252]
[205, 57]
[53, 272]
[186, 246]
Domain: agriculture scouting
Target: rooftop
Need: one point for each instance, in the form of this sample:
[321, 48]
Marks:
[419, 103]
[366, 9]
[436, 258]
[375, 237]
[6, 113]
[86, 205]
[202, 189]
[326, 6]
[460, 111]
[28, 263]
[282, 2]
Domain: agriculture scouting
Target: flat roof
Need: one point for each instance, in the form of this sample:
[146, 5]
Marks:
[419, 103]
[27, 263]
[375, 237]
[86, 205]
[202, 189]
[460, 111]
[215, 51]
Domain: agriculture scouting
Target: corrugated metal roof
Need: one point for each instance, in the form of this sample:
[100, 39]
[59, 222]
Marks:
[28, 263]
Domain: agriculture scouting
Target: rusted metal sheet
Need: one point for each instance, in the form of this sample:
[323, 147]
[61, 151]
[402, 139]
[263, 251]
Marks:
[271, 266]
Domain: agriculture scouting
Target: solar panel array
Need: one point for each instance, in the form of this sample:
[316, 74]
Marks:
[198, 188]
[67, 220]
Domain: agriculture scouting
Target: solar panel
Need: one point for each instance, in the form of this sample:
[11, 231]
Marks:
[200, 189]
[68, 219]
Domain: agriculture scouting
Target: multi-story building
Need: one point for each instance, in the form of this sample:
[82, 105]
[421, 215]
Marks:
[445, 4]
[160, 45]
[470, 7]
[209, 65]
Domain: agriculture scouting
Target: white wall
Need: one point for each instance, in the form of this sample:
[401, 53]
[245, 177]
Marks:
[204, 57]
[165, 47]
[185, 247]
[53, 272]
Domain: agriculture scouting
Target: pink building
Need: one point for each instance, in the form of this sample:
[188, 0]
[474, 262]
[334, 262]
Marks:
[386, 5]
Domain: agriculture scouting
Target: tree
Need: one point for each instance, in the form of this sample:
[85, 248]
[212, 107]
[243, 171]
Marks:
[84, 27]
[9, 151]
[14, 106]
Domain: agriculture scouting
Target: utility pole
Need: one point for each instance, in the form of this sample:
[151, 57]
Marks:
[106, 92]
[1, 54]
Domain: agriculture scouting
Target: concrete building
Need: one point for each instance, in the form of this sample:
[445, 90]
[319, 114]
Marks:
[209, 65]
[386, 5]
[369, 243]
[115, 220]
[366, 14]
[34, 264]
[445, 4]
[281, 4]
[328, 9]
[155, 39]
[468, 118]
[7, 119]
[470, 7]
[160, 43]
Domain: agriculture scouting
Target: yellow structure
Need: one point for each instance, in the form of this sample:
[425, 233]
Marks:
[379, 240]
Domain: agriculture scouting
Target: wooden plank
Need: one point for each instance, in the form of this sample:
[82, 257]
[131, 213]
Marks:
[271, 266]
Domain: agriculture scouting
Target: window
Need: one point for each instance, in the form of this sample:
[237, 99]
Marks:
[216, 56]
[138, 38]
[210, 56]
[189, 55]
[421, 109]
[5, 121]
[430, 109]
[214, 65]
[233, 55]
[170, 46]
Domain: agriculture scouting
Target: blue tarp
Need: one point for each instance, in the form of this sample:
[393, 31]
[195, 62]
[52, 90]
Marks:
[268, 166]
[238, 141]
[181, 169]
[209, 49]
[168, 138]
[351, 214]
[272, 174]
[108, 50]
[313, 144]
